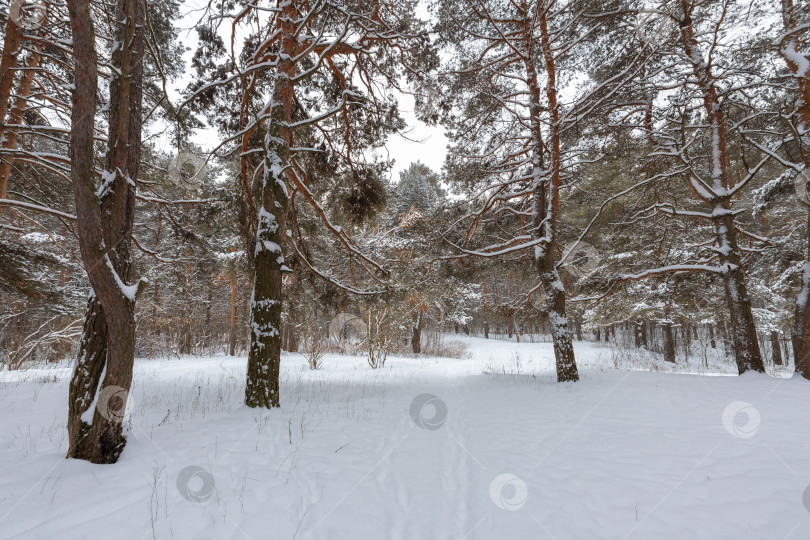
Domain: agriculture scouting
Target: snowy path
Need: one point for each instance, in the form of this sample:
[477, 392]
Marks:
[508, 454]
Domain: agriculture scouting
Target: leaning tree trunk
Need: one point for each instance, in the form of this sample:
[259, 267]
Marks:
[105, 216]
[264, 352]
[87, 374]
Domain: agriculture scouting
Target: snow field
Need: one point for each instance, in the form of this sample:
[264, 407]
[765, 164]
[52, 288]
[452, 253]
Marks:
[485, 447]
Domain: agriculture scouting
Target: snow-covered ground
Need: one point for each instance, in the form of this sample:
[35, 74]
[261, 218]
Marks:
[426, 448]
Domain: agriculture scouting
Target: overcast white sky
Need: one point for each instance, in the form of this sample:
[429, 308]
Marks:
[419, 143]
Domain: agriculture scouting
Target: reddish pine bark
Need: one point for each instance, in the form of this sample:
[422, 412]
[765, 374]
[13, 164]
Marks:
[104, 222]
[746, 345]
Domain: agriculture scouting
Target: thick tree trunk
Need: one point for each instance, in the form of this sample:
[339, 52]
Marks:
[545, 210]
[416, 336]
[790, 47]
[744, 333]
[578, 326]
[105, 218]
[264, 353]
[712, 340]
[644, 325]
[560, 331]
[776, 348]
[669, 342]
[86, 376]
[801, 318]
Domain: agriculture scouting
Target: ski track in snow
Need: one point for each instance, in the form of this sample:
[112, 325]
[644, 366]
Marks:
[624, 453]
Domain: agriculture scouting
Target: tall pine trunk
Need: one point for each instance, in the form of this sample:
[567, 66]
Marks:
[744, 335]
[12, 40]
[264, 352]
[791, 44]
[105, 217]
[546, 200]
[15, 116]
[743, 330]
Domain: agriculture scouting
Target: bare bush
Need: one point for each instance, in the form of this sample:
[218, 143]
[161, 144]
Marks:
[51, 341]
[313, 344]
